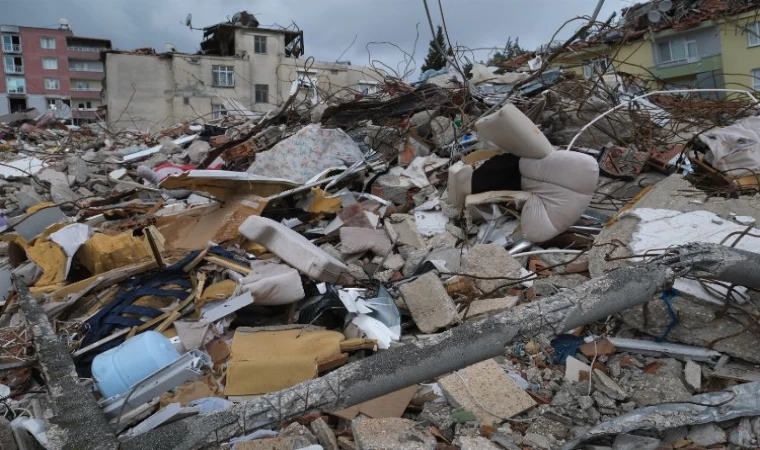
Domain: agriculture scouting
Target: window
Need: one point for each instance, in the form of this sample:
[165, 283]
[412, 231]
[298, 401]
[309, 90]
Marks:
[753, 34]
[262, 93]
[50, 63]
[260, 45]
[52, 84]
[756, 79]
[218, 111]
[81, 85]
[13, 64]
[677, 50]
[85, 66]
[223, 76]
[368, 87]
[16, 85]
[84, 105]
[596, 67]
[52, 103]
[11, 43]
[47, 43]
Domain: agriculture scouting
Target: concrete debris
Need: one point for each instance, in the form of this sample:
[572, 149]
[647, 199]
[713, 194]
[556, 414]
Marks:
[706, 435]
[392, 433]
[559, 255]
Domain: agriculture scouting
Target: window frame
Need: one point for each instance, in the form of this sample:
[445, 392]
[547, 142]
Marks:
[218, 111]
[46, 39]
[755, 74]
[261, 95]
[52, 103]
[49, 60]
[217, 71]
[753, 34]
[8, 85]
[57, 84]
[258, 42]
[685, 42]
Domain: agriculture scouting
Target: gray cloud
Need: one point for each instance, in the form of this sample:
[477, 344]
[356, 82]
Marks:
[329, 25]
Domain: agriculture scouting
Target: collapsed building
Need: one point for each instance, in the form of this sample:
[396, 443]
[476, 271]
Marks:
[521, 259]
[241, 66]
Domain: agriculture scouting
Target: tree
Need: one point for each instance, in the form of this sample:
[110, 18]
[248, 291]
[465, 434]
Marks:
[435, 59]
[511, 50]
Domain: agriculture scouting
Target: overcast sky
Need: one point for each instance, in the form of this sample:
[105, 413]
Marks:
[329, 25]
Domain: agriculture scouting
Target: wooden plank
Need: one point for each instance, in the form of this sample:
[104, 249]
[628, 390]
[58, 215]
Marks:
[227, 264]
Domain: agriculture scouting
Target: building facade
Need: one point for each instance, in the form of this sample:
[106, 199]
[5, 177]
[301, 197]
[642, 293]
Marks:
[256, 67]
[719, 48]
[51, 69]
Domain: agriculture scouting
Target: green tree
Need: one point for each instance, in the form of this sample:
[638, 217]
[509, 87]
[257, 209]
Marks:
[511, 50]
[435, 59]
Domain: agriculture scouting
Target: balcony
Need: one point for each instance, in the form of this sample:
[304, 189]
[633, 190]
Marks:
[80, 48]
[88, 89]
[11, 48]
[85, 69]
[14, 70]
[16, 89]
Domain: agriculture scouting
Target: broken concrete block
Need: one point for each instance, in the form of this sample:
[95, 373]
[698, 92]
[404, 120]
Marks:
[392, 187]
[198, 151]
[487, 391]
[632, 442]
[487, 260]
[608, 385]
[451, 257]
[324, 434]
[403, 231]
[693, 375]
[652, 389]
[296, 430]
[360, 240]
[706, 435]
[538, 441]
[391, 434]
[443, 131]
[170, 148]
[276, 443]
[429, 303]
[547, 427]
[545, 287]
[394, 262]
[475, 443]
[7, 441]
[741, 435]
[488, 306]
[437, 414]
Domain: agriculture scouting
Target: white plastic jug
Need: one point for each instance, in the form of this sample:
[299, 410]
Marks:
[115, 371]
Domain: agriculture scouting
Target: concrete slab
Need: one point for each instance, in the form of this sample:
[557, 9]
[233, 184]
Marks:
[487, 391]
[487, 260]
[429, 303]
[391, 434]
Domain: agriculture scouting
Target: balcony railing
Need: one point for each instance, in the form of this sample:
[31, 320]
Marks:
[85, 69]
[14, 69]
[11, 48]
[89, 89]
[17, 90]
[79, 48]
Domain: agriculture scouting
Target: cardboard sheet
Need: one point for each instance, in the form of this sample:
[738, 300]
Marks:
[268, 360]
[225, 185]
[102, 253]
[193, 230]
[390, 405]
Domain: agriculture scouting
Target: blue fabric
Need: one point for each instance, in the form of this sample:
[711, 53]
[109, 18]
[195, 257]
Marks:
[565, 345]
[666, 297]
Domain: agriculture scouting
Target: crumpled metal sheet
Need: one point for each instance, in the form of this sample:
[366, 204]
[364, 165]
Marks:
[740, 401]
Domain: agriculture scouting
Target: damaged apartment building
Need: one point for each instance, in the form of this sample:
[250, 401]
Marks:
[687, 44]
[241, 66]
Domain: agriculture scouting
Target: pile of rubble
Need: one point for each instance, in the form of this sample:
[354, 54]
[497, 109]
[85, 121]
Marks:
[438, 266]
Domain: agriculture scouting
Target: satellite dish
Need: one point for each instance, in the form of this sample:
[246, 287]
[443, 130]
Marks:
[665, 5]
[189, 20]
[654, 16]
[170, 48]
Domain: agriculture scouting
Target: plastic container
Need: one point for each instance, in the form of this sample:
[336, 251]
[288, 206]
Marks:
[293, 248]
[512, 131]
[117, 370]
